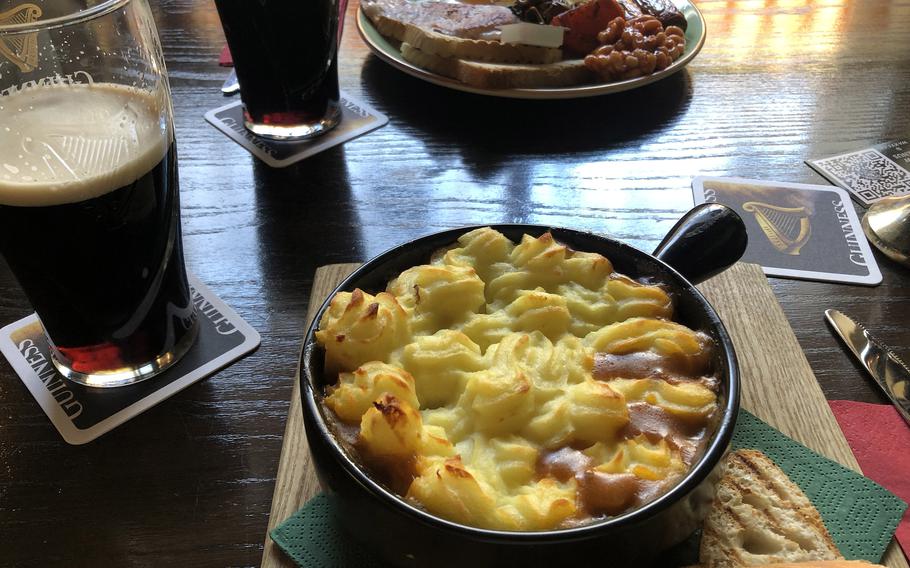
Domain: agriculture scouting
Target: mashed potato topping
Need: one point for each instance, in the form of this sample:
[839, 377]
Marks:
[518, 387]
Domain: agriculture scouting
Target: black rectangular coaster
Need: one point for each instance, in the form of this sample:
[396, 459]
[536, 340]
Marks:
[796, 230]
[82, 413]
[357, 118]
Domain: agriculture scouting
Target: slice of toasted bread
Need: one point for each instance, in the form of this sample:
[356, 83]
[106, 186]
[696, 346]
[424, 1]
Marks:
[827, 564]
[567, 73]
[502, 75]
[468, 21]
[491, 51]
[445, 66]
[819, 564]
[760, 517]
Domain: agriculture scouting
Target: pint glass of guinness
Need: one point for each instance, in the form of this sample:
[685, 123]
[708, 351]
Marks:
[285, 54]
[89, 208]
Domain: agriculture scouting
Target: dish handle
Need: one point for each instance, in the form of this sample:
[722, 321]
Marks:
[706, 241]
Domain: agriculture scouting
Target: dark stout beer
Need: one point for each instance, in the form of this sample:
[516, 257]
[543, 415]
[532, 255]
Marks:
[286, 58]
[90, 224]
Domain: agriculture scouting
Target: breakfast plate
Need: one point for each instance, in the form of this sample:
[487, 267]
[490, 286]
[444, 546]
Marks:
[389, 51]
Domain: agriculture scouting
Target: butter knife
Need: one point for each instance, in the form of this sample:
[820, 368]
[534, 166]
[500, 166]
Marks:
[891, 374]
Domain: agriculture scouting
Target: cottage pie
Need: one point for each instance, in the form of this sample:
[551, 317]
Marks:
[518, 387]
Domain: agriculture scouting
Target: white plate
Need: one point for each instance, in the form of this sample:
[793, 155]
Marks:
[388, 51]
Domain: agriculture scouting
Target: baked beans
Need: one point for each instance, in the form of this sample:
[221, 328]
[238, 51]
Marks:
[636, 47]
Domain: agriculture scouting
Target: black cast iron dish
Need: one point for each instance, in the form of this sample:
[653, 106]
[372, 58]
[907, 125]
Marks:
[706, 241]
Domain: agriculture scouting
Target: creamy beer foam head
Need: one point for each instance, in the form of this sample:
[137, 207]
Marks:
[68, 143]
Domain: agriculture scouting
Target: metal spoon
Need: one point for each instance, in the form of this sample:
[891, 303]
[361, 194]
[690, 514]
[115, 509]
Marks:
[887, 225]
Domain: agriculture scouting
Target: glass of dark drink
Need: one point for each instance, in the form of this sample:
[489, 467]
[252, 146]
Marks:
[89, 205]
[286, 57]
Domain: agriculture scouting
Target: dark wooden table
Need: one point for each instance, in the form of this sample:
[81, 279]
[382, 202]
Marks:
[189, 482]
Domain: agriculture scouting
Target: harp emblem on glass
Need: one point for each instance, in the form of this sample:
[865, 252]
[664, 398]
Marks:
[787, 228]
[21, 49]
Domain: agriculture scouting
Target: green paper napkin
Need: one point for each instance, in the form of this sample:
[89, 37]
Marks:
[860, 514]
[313, 538]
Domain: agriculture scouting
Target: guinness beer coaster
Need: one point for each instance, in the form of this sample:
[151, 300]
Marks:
[82, 413]
[357, 118]
[797, 230]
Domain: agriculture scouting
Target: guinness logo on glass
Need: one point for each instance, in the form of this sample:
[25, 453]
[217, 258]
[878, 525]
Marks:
[21, 49]
[787, 228]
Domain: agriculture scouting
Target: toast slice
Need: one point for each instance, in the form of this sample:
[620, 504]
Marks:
[820, 564]
[827, 564]
[760, 517]
[445, 66]
[568, 73]
[466, 21]
[492, 51]
[500, 75]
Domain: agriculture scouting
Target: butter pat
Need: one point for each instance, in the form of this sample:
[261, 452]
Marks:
[532, 34]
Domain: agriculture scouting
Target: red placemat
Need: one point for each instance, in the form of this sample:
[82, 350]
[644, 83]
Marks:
[879, 439]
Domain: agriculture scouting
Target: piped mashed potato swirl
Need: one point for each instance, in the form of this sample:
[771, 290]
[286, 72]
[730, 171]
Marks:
[518, 387]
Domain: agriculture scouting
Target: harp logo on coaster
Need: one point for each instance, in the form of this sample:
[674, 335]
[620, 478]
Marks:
[82, 413]
[788, 228]
[796, 230]
[357, 118]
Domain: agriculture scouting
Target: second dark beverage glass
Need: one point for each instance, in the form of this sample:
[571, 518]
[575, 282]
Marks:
[286, 57]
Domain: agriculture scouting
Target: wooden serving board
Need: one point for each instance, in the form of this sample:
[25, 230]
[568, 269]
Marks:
[777, 385]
